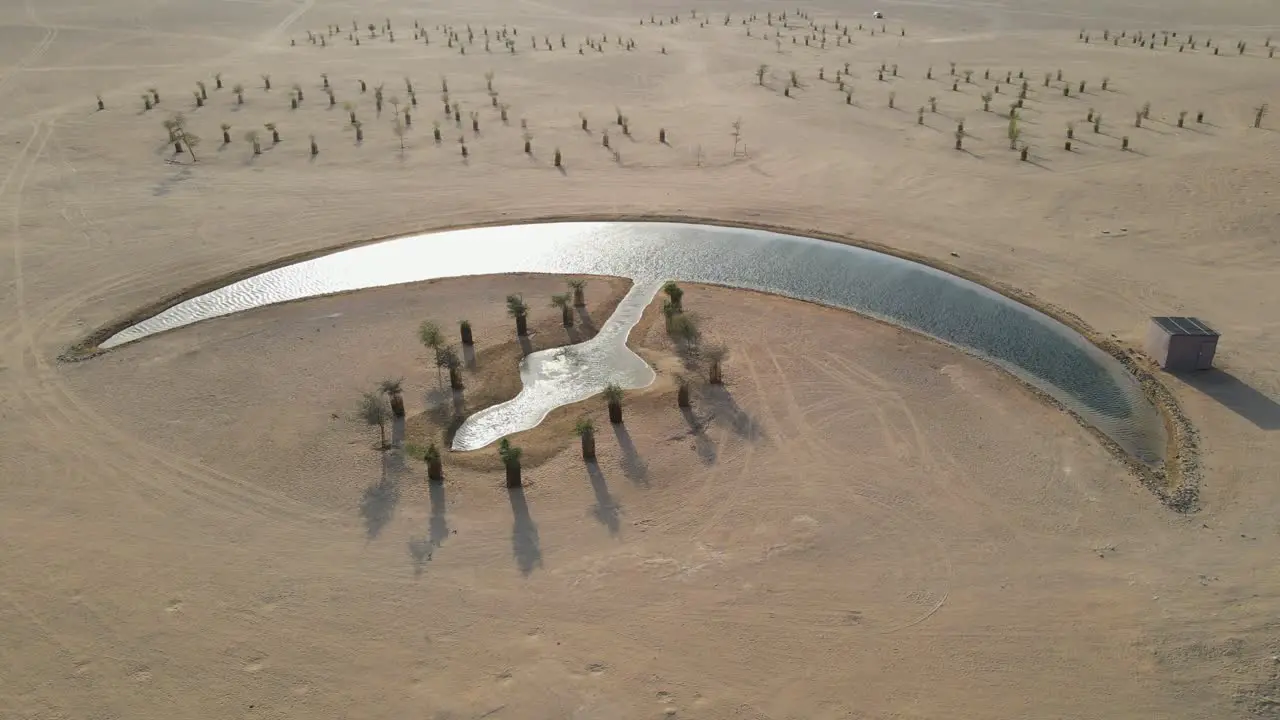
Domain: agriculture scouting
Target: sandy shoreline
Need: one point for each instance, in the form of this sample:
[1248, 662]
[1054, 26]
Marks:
[1176, 482]
[743, 432]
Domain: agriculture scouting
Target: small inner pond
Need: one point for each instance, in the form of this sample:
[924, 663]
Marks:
[1027, 343]
[562, 376]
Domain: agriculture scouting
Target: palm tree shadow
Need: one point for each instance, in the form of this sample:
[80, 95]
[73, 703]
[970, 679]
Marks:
[438, 524]
[459, 402]
[379, 500]
[420, 551]
[633, 466]
[524, 533]
[526, 345]
[690, 355]
[584, 319]
[435, 397]
[469, 356]
[606, 508]
[723, 406]
[397, 432]
[575, 337]
[702, 444]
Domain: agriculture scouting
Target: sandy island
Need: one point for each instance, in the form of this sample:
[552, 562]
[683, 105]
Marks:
[860, 523]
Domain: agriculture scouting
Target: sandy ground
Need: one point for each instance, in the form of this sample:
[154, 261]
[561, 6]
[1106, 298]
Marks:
[897, 532]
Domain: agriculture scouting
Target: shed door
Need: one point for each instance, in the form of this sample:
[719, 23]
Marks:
[1204, 355]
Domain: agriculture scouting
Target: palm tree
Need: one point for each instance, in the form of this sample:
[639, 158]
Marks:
[613, 396]
[587, 431]
[683, 385]
[510, 455]
[579, 288]
[517, 309]
[675, 294]
[191, 141]
[561, 301]
[715, 355]
[238, 89]
[174, 126]
[252, 137]
[275, 134]
[683, 329]
[394, 391]
[266, 82]
[464, 327]
[226, 133]
[435, 470]
[373, 411]
[429, 335]
[447, 357]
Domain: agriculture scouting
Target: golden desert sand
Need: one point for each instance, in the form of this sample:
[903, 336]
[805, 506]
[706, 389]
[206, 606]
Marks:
[861, 523]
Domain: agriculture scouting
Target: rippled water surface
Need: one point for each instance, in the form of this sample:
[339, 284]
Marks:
[1027, 343]
[561, 376]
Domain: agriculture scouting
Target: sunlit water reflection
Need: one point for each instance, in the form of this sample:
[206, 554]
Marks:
[562, 376]
[1027, 343]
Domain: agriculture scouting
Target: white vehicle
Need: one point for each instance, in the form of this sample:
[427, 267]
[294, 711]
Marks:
[877, 15]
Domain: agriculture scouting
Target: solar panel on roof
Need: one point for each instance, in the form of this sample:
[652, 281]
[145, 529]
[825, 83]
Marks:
[1184, 326]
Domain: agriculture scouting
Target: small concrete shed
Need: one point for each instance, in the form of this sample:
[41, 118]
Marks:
[1181, 344]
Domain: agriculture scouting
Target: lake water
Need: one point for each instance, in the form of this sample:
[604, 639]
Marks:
[1027, 343]
[562, 376]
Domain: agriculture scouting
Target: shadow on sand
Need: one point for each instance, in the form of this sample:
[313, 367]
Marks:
[524, 534]
[1237, 396]
[721, 405]
[633, 466]
[439, 524]
[606, 508]
[397, 432]
[436, 396]
[420, 551]
[584, 319]
[702, 444]
[379, 500]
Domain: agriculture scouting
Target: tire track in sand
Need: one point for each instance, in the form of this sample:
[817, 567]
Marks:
[48, 401]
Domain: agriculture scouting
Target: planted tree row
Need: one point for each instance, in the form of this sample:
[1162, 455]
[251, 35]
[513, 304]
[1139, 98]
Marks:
[380, 407]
